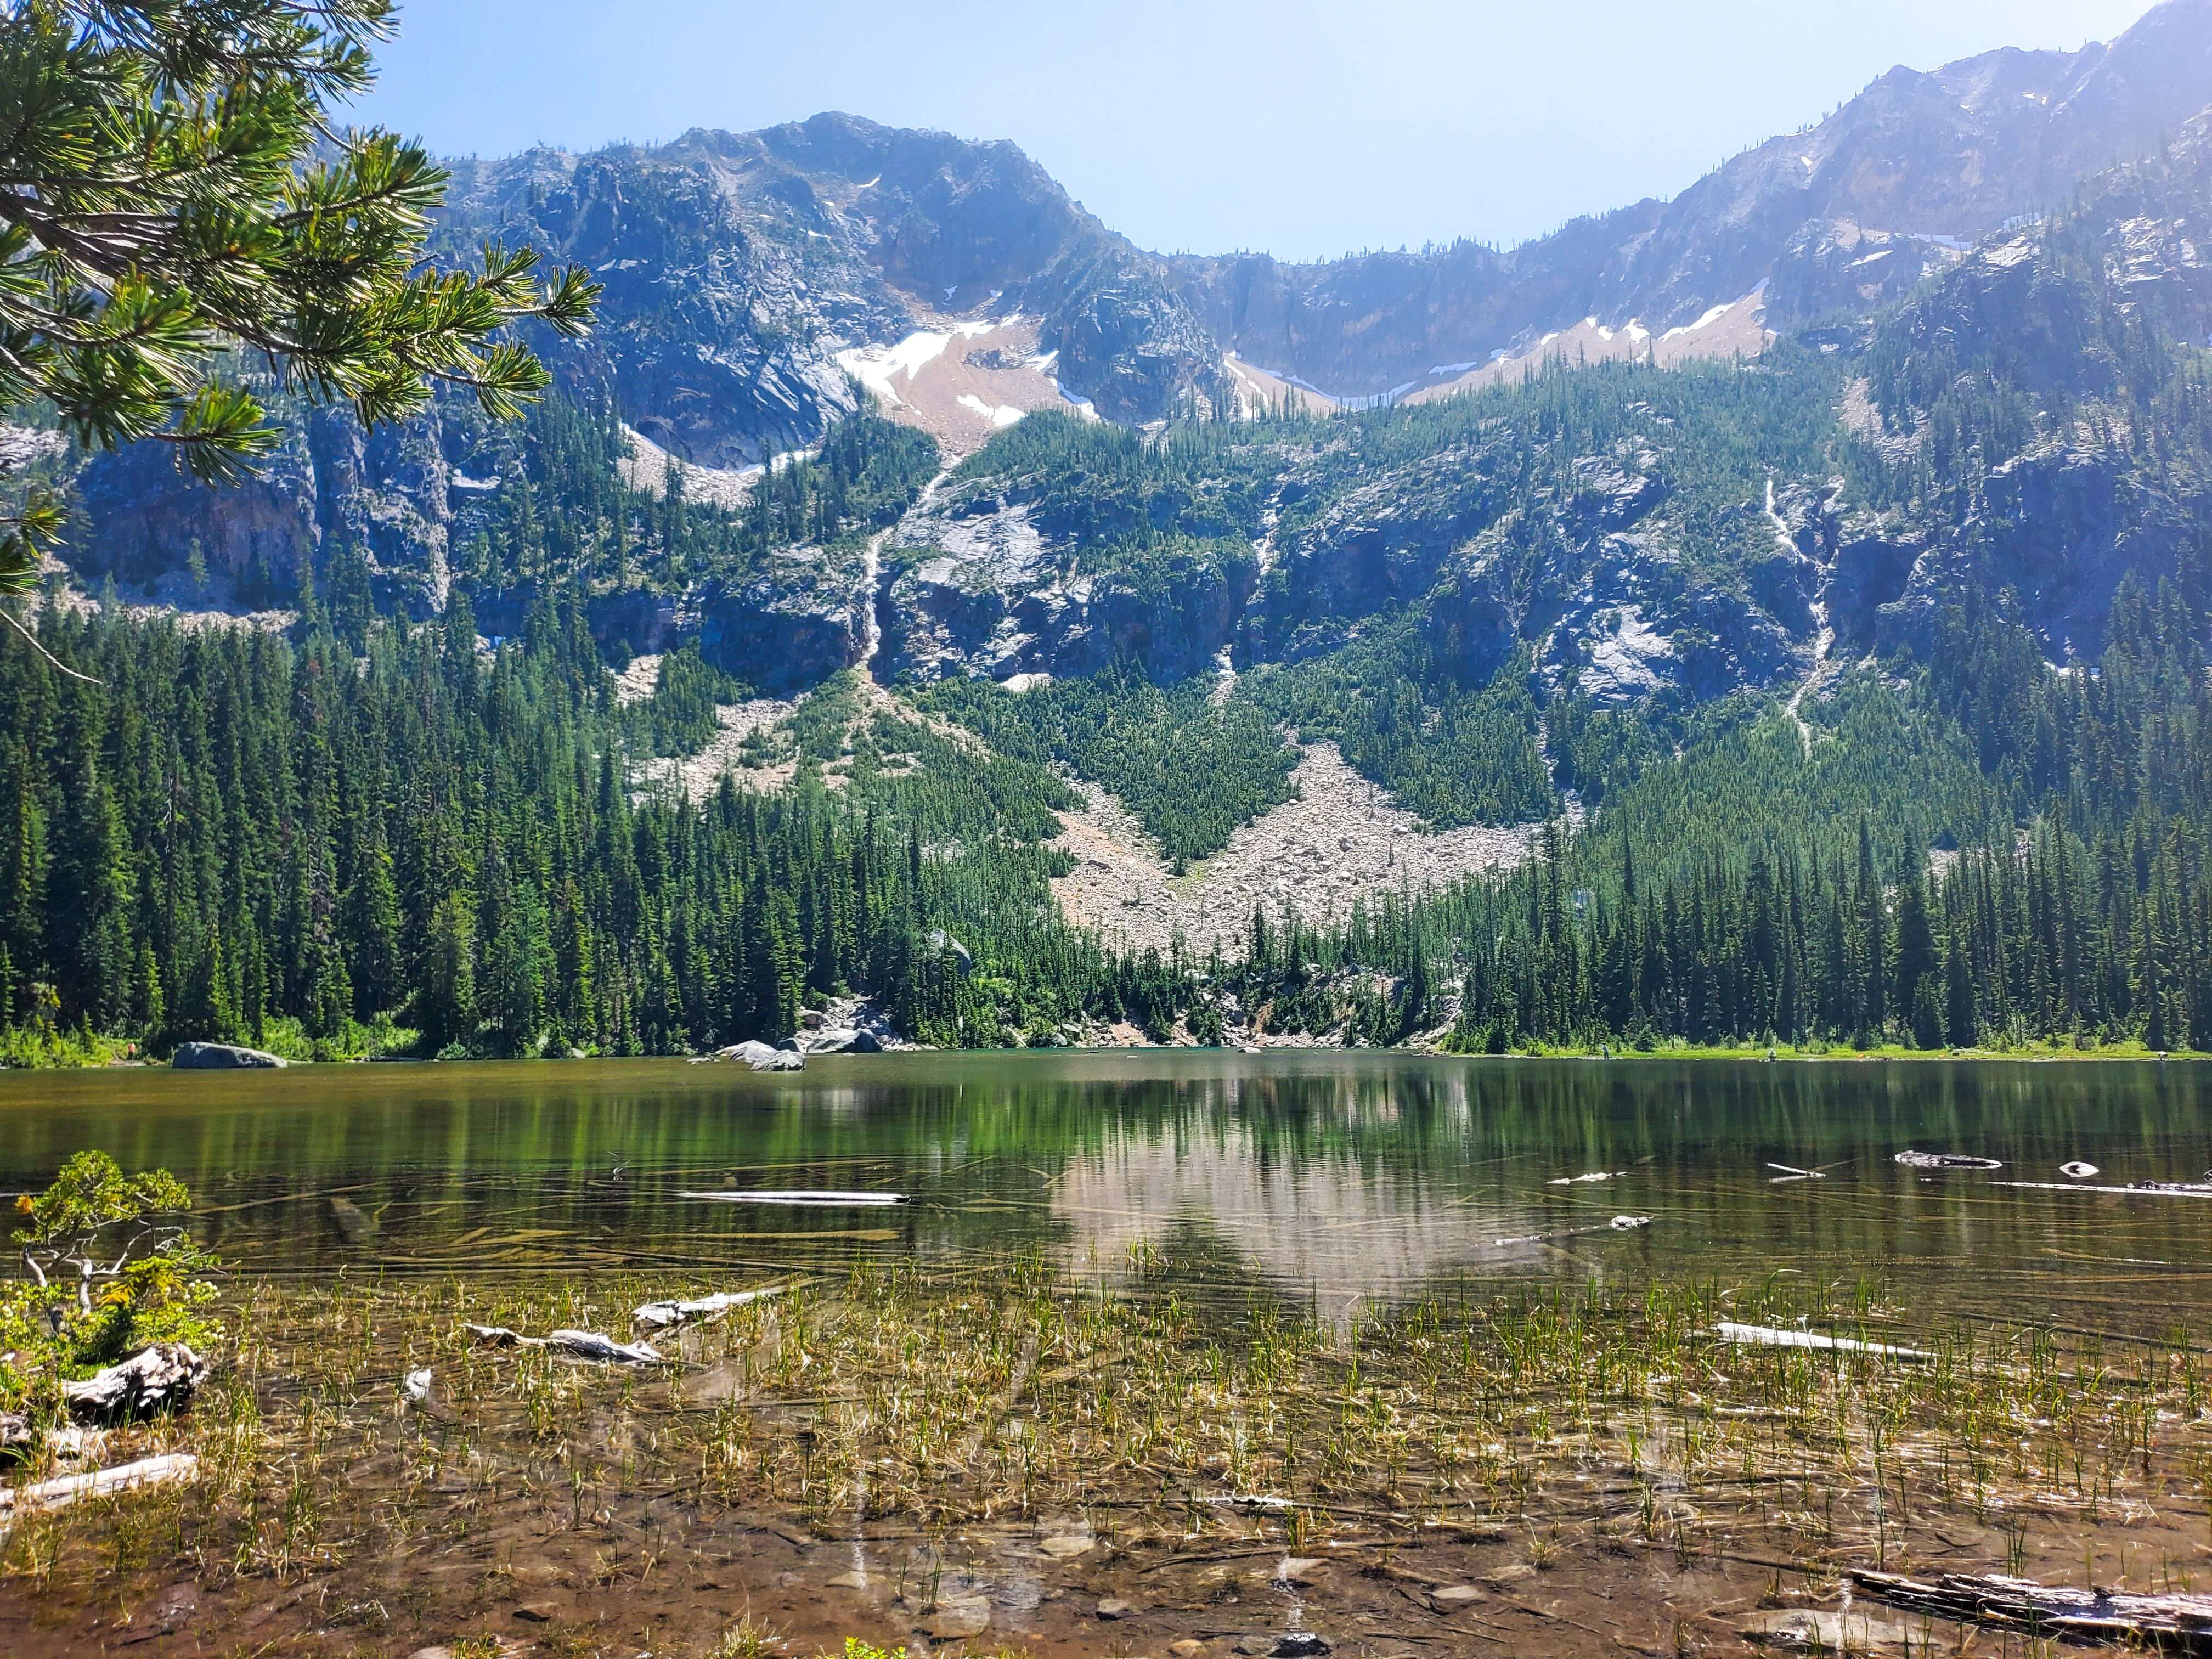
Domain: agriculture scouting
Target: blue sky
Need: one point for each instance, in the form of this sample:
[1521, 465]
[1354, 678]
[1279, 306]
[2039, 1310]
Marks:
[1300, 126]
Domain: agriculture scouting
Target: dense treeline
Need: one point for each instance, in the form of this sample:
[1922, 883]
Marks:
[559, 513]
[1191, 769]
[378, 834]
[234, 836]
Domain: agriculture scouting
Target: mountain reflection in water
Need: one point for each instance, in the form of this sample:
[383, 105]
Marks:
[1332, 1176]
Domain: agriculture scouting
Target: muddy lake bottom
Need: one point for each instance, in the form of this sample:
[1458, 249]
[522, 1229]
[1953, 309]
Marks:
[1162, 1351]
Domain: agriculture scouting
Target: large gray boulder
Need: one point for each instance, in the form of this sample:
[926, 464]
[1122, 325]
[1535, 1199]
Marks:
[223, 1057]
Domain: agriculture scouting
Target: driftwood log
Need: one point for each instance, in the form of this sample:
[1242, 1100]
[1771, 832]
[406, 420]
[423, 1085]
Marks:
[834, 1200]
[1765, 1336]
[1945, 1161]
[577, 1345]
[2160, 1624]
[65, 1489]
[160, 1378]
[659, 1316]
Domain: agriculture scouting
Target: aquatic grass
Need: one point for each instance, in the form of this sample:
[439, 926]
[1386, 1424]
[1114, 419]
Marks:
[900, 1401]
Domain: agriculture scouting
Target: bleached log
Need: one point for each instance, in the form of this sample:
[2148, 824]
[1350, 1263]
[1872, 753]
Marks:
[2171, 1624]
[2139, 1189]
[577, 1345]
[788, 1196]
[1945, 1161]
[66, 1489]
[159, 1378]
[659, 1316]
[1766, 1336]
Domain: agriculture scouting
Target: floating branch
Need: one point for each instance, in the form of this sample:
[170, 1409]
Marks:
[768, 1195]
[2139, 1189]
[1945, 1161]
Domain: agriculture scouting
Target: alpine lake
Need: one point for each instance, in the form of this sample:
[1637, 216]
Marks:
[1164, 1353]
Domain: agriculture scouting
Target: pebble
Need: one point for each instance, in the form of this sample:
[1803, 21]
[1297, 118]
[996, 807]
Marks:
[1066, 1545]
[857, 1580]
[1114, 1608]
[1456, 1596]
[1299, 1644]
[1298, 1569]
[1186, 1647]
[176, 1606]
[539, 1613]
[1510, 1575]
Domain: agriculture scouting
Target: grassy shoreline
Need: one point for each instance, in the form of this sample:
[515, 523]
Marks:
[905, 1440]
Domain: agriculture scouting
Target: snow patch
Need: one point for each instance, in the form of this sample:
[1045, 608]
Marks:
[1000, 416]
[1703, 322]
[876, 366]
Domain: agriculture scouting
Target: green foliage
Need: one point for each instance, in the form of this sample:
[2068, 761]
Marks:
[176, 190]
[679, 717]
[1191, 771]
[1452, 754]
[109, 1273]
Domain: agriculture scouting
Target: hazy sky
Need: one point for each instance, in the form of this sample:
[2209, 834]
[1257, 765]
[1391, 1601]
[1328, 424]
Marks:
[1303, 127]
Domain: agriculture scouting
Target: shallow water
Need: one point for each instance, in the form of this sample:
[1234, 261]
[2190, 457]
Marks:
[1334, 1176]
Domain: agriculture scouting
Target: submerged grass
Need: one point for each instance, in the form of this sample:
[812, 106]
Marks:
[907, 1403]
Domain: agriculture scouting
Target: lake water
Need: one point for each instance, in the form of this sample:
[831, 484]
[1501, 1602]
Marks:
[1334, 1176]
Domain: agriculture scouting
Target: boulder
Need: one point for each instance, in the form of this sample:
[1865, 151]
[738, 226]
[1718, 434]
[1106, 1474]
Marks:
[223, 1057]
[846, 1040]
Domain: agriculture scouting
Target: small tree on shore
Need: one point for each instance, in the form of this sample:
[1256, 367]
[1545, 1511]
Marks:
[109, 1268]
[181, 226]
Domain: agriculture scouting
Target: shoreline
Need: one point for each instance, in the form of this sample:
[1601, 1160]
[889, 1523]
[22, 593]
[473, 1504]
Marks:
[2053, 1054]
[1050, 1467]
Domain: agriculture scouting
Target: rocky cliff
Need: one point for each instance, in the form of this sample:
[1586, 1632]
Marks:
[1843, 217]
[763, 287]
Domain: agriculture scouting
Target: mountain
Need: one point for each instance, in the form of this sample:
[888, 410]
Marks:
[742, 269]
[1841, 217]
[1800, 629]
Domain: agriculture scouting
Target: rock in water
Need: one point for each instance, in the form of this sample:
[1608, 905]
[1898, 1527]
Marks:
[951, 1621]
[223, 1057]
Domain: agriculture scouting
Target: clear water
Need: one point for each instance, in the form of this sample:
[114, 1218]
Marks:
[1334, 1176]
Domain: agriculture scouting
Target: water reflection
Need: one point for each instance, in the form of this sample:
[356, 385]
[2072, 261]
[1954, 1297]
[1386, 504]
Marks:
[1334, 1176]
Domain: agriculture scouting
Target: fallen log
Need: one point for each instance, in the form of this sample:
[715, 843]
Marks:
[66, 1489]
[2137, 1189]
[1945, 1161]
[2166, 1624]
[1619, 1224]
[577, 1345]
[159, 1378]
[659, 1316]
[773, 1195]
[1766, 1336]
